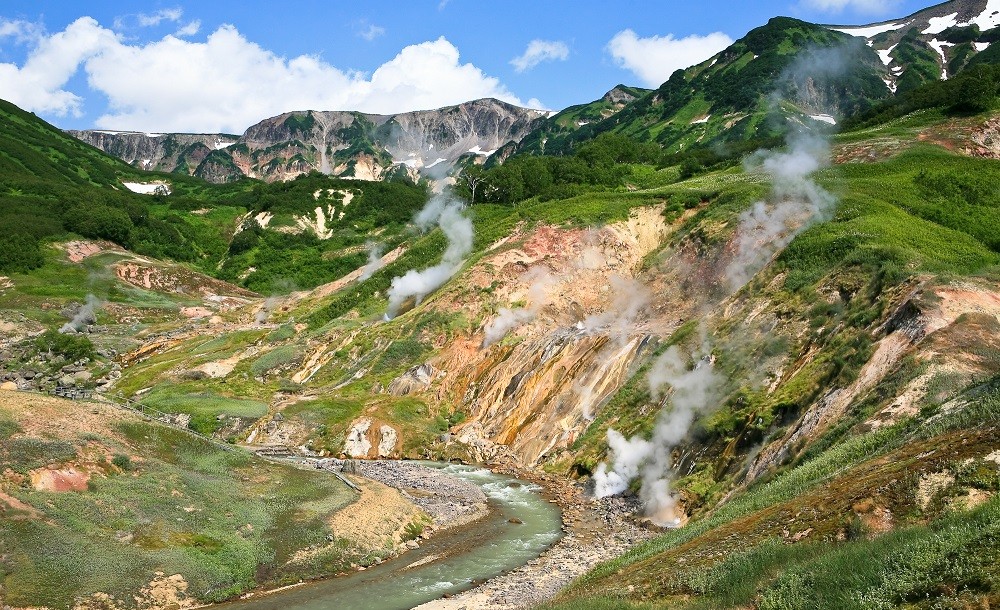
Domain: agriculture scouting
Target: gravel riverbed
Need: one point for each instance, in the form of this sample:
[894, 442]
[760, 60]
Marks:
[596, 531]
[449, 500]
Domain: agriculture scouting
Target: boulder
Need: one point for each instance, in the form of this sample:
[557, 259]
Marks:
[417, 379]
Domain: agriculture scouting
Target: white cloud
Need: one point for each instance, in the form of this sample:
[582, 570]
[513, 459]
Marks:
[655, 58]
[539, 51]
[190, 29]
[371, 32]
[21, 31]
[37, 85]
[167, 14]
[226, 82]
[871, 7]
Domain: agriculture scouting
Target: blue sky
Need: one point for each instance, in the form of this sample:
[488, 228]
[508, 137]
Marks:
[220, 66]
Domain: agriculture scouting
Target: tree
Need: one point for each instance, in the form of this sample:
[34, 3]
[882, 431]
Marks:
[471, 178]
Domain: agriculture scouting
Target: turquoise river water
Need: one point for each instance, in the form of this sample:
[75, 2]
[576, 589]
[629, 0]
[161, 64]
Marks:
[456, 559]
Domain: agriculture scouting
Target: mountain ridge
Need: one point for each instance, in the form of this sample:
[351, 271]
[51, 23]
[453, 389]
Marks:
[344, 143]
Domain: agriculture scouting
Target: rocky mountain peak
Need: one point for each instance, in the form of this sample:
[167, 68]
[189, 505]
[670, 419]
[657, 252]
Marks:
[341, 143]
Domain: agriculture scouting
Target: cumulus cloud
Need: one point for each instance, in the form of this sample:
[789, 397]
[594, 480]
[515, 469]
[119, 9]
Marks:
[655, 58]
[539, 51]
[21, 31]
[226, 82]
[871, 7]
[38, 84]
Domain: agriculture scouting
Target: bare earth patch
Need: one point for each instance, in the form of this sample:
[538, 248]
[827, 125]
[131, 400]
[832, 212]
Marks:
[377, 518]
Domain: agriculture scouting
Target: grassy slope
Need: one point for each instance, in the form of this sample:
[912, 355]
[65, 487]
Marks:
[158, 500]
[729, 94]
[922, 213]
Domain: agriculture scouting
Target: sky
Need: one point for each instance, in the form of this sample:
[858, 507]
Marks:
[220, 67]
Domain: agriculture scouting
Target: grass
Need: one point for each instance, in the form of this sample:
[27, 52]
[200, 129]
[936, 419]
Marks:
[225, 521]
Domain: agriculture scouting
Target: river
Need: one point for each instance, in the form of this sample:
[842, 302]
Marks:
[449, 562]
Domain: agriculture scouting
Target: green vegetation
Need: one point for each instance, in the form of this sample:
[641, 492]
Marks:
[70, 347]
[113, 536]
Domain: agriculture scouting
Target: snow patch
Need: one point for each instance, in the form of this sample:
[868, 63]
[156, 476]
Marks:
[476, 150]
[886, 54]
[891, 85]
[436, 161]
[872, 30]
[936, 25]
[702, 120]
[263, 219]
[219, 144]
[147, 188]
[939, 45]
[824, 118]
[981, 46]
[989, 18]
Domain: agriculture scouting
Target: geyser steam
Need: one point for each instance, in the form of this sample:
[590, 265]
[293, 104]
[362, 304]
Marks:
[795, 203]
[374, 261]
[84, 317]
[447, 214]
[508, 319]
[694, 384]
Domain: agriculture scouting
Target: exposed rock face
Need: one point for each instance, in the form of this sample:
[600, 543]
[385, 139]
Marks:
[348, 144]
[416, 379]
[367, 439]
[618, 95]
[172, 152]
[537, 393]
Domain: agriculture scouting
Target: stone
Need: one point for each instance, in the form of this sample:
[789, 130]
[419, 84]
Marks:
[387, 441]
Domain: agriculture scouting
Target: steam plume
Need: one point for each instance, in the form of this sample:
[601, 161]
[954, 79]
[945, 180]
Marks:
[265, 309]
[795, 203]
[629, 301]
[374, 260]
[508, 319]
[84, 317]
[694, 389]
[448, 215]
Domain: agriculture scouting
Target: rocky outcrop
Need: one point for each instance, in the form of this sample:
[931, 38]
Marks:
[181, 152]
[416, 379]
[367, 439]
[340, 143]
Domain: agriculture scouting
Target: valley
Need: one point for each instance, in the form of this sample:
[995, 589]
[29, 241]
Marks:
[733, 342]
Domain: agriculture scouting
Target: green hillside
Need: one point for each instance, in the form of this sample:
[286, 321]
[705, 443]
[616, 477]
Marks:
[730, 96]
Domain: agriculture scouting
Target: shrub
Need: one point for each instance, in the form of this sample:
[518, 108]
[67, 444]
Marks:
[70, 347]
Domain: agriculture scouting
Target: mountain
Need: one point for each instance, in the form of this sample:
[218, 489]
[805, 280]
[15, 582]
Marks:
[934, 43]
[786, 370]
[344, 144]
[788, 69]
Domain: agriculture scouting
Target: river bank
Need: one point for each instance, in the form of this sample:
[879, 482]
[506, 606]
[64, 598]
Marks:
[519, 525]
[595, 531]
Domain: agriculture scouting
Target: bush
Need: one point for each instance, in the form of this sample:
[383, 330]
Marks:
[122, 462]
[70, 347]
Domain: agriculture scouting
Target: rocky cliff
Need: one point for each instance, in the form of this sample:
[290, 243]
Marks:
[340, 143]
